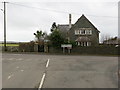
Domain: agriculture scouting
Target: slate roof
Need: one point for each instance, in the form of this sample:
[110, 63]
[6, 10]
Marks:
[83, 22]
[63, 27]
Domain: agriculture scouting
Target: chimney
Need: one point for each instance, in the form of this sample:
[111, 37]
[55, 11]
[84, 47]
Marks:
[70, 21]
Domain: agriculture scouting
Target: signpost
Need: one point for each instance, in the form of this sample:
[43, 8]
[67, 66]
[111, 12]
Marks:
[68, 46]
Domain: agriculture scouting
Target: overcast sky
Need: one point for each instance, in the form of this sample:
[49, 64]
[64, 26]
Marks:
[24, 18]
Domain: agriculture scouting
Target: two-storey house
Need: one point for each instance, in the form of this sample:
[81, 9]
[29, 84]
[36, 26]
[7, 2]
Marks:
[83, 32]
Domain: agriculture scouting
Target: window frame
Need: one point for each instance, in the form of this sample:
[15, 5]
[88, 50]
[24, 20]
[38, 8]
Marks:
[83, 31]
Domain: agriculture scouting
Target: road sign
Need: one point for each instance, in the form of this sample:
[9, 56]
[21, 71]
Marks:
[66, 45]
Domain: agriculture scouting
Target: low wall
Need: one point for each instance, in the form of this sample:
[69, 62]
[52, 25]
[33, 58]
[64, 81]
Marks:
[54, 50]
[107, 50]
[112, 50]
[10, 48]
[99, 50]
[26, 47]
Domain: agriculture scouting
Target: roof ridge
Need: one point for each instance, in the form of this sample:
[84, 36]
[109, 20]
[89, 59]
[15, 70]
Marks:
[65, 24]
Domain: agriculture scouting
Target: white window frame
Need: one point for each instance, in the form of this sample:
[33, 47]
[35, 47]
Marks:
[76, 32]
[79, 31]
[82, 44]
[90, 31]
[83, 31]
[87, 31]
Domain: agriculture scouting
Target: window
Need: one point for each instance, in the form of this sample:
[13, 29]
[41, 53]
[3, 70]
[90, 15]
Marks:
[87, 43]
[76, 32]
[84, 43]
[83, 31]
[79, 31]
[88, 31]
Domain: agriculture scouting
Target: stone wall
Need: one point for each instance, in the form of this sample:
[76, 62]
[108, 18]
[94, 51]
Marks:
[98, 50]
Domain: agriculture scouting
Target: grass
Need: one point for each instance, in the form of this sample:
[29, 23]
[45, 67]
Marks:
[10, 44]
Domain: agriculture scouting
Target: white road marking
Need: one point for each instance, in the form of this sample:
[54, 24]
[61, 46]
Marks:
[47, 63]
[10, 76]
[43, 77]
[42, 81]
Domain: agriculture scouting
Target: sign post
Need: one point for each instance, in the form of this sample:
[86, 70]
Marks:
[68, 46]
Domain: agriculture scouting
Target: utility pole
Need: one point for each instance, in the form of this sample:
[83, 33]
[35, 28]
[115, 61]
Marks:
[70, 25]
[5, 49]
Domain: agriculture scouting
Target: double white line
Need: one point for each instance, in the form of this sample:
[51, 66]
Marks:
[43, 77]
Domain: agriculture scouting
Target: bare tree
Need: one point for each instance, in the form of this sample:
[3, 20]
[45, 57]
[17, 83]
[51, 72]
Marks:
[105, 37]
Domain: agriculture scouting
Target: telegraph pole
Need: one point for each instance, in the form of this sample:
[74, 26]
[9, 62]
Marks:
[5, 49]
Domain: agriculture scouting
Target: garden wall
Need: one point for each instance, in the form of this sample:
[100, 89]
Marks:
[54, 50]
[10, 48]
[26, 47]
[112, 50]
[102, 50]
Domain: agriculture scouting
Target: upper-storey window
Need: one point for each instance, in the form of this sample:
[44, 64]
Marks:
[88, 31]
[76, 32]
[83, 31]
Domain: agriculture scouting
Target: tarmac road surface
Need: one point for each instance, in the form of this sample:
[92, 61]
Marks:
[62, 71]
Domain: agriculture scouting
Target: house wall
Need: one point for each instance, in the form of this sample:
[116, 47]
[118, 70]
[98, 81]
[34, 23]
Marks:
[94, 37]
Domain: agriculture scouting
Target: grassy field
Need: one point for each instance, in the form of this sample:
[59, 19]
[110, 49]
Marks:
[10, 44]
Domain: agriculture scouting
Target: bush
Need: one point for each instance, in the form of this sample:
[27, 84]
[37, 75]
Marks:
[26, 47]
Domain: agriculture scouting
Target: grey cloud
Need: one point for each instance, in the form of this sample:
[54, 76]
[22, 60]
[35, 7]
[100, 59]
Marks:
[27, 20]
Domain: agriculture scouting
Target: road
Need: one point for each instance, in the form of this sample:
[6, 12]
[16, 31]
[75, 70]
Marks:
[63, 71]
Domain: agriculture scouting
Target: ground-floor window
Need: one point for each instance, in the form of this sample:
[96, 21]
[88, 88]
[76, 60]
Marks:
[84, 43]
